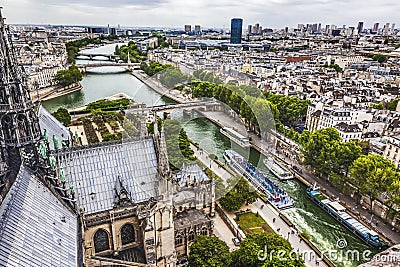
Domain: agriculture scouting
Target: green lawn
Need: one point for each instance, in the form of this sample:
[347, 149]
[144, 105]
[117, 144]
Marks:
[250, 221]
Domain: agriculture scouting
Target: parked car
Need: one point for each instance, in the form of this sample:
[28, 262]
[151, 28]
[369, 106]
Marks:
[297, 169]
[236, 241]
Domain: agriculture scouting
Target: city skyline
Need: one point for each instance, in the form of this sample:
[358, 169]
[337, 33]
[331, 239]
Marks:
[213, 14]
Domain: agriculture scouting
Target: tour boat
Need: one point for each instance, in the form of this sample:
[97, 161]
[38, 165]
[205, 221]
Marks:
[277, 169]
[275, 195]
[236, 137]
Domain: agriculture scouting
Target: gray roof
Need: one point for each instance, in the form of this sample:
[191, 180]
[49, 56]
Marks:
[36, 229]
[190, 174]
[53, 127]
[95, 172]
[190, 218]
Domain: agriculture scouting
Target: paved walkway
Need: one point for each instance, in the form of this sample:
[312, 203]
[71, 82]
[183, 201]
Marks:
[222, 231]
[206, 160]
[268, 213]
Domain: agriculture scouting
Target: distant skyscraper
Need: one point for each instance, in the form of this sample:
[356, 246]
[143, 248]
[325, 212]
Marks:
[393, 25]
[257, 28]
[376, 27]
[236, 31]
[197, 28]
[386, 28]
[188, 28]
[360, 27]
[249, 28]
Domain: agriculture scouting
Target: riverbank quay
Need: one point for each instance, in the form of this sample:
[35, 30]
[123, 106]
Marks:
[276, 220]
[158, 87]
[54, 92]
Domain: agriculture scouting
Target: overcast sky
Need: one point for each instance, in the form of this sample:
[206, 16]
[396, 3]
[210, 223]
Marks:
[207, 13]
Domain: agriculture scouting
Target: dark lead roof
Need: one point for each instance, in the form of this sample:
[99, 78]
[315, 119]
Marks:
[53, 127]
[95, 171]
[35, 227]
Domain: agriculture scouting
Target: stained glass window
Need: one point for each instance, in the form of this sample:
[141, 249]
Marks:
[101, 241]
[127, 234]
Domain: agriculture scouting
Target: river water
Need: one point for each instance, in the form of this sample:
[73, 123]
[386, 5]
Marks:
[323, 230]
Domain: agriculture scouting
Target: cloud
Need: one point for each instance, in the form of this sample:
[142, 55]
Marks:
[208, 13]
[100, 3]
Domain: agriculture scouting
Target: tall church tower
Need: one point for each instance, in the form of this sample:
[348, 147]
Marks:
[21, 140]
[19, 124]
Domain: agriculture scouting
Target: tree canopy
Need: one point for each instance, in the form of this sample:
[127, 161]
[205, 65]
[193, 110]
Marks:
[63, 116]
[178, 146]
[276, 251]
[67, 77]
[373, 175]
[240, 194]
[209, 251]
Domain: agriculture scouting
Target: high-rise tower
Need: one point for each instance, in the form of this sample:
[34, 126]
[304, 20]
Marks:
[236, 31]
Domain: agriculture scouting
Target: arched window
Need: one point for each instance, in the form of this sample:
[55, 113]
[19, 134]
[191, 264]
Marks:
[101, 241]
[191, 236]
[204, 231]
[127, 234]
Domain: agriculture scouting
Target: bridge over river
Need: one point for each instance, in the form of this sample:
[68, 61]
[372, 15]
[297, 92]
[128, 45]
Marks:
[84, 67]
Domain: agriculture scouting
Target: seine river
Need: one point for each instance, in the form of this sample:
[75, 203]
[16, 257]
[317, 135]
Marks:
[323, 230]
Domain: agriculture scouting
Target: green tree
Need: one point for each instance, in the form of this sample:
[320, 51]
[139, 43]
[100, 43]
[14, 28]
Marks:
[346, 154]
[267, 245]
[393, 195]
[63, 116]
[178, 146]
[240, 194]
[372, 174]
[67, 77]
[380, 58]
[319, 151]
[392, 105]
[170, 77]
[209, 251]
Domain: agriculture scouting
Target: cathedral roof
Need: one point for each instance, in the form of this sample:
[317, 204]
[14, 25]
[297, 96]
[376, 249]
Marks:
[93, 172]
[35, 227]
[191, 174]
[53, 127]
[189, 219]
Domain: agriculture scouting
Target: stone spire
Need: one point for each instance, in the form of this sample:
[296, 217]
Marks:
[21, 141]
[163, 154]
[19, 124]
